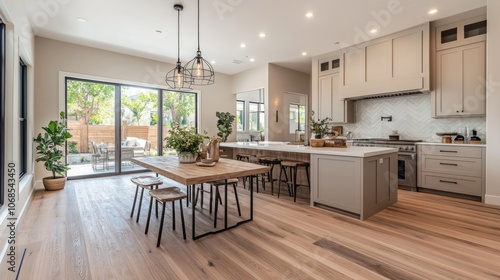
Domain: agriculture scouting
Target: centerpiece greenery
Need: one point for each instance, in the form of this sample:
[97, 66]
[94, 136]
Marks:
[224, 124]
[50, 151]
[185, 141]
[319, 127]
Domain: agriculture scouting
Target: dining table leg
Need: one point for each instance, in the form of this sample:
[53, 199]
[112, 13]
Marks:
[225, 204]
[193, 211]
[251, 198]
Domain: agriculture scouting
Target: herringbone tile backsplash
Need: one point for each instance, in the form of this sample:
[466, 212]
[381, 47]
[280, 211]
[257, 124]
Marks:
[411, 116]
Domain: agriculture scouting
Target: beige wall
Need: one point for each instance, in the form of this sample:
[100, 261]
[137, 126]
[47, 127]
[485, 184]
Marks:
[54, 56]
[283, 80]
[493, 104]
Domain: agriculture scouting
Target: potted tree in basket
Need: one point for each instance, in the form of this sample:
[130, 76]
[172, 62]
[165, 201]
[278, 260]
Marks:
[319, 128]
[185, 141]
[49, 151]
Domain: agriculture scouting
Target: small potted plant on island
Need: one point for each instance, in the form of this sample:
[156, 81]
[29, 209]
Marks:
[319, 128]
[185, 141]
[49, 151]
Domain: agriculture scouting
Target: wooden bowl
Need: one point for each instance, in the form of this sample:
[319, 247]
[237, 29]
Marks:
[317, 142]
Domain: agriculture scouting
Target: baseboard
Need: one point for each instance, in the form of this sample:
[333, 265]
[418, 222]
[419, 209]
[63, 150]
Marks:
[492, 199]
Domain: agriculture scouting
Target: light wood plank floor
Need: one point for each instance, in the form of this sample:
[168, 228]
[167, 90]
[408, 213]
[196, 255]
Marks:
[85, 232]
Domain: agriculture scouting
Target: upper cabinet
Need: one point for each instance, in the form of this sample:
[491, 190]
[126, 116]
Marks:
[460, 68]
[326, 101]
[461, 33]
[391, 64]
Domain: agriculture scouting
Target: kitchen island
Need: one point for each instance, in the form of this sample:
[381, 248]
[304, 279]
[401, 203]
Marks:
[357, 181]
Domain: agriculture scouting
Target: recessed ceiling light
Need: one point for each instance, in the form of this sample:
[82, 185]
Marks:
[304, 53]
[213, 61]
[309, 14]
[262, 35]
[432, 11]
[80, 19]
[243, 45]
[373, 31]
[252, 60]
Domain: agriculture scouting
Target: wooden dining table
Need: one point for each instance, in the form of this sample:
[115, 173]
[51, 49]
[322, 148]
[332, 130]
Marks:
[190, 174]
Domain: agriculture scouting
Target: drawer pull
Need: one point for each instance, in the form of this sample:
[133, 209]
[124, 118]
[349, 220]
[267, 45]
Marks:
[451, 164]
[449, 182]
[445, 151]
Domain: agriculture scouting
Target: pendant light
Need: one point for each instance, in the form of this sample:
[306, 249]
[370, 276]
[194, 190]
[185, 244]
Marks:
[178, 78]
[200, 70]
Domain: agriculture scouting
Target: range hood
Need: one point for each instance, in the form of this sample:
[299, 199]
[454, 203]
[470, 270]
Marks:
[390, 94]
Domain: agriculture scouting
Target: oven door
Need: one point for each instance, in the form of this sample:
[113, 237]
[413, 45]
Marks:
[407, 172]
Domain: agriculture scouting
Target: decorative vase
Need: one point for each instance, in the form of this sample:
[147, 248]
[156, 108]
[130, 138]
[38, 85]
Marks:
[186, 157]
[214, 149]
[54, 184]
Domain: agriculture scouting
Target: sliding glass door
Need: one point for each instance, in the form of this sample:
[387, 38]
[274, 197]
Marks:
[113, 123]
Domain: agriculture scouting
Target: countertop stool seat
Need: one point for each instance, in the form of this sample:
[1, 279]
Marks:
[216, 184]
[291, 178]
[268, 161]
[144, 182]
[247, 158]
[165, 195]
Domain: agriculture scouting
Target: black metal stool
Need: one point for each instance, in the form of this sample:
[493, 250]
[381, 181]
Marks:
[145, 182]
[292, 182]
[268, 161]
[167, 195]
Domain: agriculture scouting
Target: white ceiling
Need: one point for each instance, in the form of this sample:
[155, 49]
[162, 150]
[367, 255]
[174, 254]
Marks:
[129, 26]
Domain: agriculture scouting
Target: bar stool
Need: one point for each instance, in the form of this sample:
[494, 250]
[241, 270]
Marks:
[166, 195]
[145, 182]
[292, 182]
[216, 184]
[268, 161]
[247, 158]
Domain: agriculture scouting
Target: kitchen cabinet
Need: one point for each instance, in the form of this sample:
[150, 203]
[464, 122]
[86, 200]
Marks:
[451, 168]
[392, 64]
[460, 33]
[359, 186]
[460, 75]
[326, 100]
[329, 103]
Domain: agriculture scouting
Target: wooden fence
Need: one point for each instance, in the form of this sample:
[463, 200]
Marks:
[84, 134]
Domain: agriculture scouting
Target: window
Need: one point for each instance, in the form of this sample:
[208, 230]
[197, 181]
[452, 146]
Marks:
[297, 117]
[2, 110]
[240, 115]
[23, 128]
[256, 117]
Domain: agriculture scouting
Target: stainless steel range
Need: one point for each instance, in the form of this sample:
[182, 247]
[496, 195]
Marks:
[407, 158]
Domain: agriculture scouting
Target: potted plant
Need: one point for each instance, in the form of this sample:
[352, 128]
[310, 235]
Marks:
[49, 151]
[224, 124]
[185, 141]
[319, 128]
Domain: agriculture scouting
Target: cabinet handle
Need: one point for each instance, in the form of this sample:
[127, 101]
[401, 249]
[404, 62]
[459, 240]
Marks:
[445, 151]
[452, 164]
[449, 182]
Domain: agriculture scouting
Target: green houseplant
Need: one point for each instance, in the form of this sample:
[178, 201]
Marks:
[319, 127]
[224, 124]
[185, 141]
[49, 150]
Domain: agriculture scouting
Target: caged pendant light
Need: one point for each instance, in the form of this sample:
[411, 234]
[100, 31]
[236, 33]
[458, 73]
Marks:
[178, 78]
[200, 70]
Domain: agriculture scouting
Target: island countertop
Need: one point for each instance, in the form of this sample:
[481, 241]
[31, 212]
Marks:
[349, 151]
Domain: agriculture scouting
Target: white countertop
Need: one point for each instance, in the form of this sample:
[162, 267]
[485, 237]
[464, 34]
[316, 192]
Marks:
[350, 151]
[450, 144]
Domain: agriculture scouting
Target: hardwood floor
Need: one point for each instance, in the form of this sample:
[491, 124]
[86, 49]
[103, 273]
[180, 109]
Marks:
[85, 232]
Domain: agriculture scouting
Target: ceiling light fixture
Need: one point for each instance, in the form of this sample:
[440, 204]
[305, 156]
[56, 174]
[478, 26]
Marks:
[304, 53]
[177, 78]
[243, 45]
[82, 20]
[373, 31]
[252, 60]
[309, 14]
[202, 73]
[432, 11]
[262, 35]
